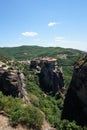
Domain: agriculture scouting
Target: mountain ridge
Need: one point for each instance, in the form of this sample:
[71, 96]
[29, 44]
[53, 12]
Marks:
[36, 51]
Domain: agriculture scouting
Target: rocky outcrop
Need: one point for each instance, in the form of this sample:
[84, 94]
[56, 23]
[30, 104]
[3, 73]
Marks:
[12, 83]
[50, 76]
[75, 105]
[50, 80]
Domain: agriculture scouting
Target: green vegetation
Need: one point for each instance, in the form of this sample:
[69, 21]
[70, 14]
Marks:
[66, 125]
[41, 105]
[29, 115]
[46, 103]
[51, 107]
[29, 52]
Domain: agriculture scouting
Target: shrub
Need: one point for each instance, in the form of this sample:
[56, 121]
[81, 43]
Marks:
[34, 100]
[66, 125]
[1, 103]
[29, 116]
[60, 103]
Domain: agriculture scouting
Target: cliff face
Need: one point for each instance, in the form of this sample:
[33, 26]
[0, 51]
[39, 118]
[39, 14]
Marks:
[12, 83]
[50, 76]
[50, 80]
[75, 105]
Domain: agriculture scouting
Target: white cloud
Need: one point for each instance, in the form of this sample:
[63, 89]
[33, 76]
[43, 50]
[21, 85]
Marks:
[51, 24]
[29, 34]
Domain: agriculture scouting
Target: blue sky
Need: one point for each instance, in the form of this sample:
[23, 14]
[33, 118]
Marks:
[60, 23]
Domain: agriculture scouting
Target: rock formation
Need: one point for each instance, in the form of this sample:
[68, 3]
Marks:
[12, 83]
[50, 76]
[75, 105]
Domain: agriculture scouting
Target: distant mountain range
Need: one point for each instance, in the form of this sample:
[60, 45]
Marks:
[29, 52]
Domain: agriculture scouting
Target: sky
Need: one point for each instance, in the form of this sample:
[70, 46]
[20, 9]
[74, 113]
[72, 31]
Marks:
[56, 23]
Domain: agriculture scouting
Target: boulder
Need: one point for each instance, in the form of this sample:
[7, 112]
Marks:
[75, 104]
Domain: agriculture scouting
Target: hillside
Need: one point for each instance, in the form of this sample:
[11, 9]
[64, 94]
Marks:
[28, 52]
[65, 57]
[41, 105]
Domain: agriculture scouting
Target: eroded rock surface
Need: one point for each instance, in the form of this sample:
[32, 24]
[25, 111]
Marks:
[12, 83]
[50, 76]
[75, 105]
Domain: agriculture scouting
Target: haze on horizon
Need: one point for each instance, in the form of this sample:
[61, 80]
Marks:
[56, 23]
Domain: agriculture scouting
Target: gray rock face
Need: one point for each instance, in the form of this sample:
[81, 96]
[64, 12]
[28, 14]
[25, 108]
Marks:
[50, 78]
[12, 83]
[75, 105]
